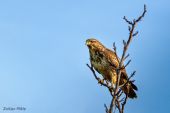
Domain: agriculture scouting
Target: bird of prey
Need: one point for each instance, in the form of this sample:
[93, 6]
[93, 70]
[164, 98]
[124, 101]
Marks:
[105, 62]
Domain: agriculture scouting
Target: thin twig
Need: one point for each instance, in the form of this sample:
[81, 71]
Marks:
[106, 108]
[126, 57]
[143, 14]
[123, 104]
[127, 63]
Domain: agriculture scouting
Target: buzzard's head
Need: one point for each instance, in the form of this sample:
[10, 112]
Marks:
[94, 44]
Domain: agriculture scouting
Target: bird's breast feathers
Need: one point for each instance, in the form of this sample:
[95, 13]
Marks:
[99, 61]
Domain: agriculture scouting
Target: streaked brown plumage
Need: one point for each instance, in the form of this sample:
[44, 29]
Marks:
[105, 62]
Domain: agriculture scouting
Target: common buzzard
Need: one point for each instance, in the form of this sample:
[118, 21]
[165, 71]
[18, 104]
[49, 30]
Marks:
[105, 63]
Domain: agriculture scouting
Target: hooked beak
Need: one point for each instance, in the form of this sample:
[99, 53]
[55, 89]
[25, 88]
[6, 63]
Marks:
[87, 43]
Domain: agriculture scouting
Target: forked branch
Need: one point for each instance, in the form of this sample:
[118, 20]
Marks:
[119, 99]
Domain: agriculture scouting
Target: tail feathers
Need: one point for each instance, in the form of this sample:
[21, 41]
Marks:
[129, 90]
[134, 86]
[131, 93]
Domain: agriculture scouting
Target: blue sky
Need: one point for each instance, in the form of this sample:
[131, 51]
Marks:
[43, 54]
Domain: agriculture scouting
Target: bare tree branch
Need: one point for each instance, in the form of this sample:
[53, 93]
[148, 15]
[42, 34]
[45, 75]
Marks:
[126, 57]
[119, 98]
[127, 63]
[106, 108]
[123, 105]
[143, 14]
